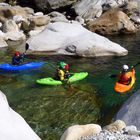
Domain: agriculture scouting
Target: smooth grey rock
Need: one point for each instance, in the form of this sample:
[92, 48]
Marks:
[130, 112]
[88, 9]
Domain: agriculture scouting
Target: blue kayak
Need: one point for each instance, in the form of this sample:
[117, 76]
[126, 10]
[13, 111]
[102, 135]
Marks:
[30, 65]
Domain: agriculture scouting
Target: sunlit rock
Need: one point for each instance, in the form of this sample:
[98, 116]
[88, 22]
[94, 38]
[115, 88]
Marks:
[112, 22]
[12, 125]
[115, 126]
[60, 37]
[77, 131]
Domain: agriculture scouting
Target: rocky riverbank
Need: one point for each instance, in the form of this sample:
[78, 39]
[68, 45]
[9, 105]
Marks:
[115, 131]
[55, 32]
[61, 35]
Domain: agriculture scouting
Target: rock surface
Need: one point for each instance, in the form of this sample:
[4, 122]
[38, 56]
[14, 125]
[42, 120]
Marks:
[112, 22]
[130, 112]
[59, 37]
[77, 131]
[53, 4]
[88, 9]
[12, 125]
[114, 131]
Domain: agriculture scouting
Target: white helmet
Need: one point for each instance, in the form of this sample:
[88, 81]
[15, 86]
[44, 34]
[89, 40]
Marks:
[125, 67]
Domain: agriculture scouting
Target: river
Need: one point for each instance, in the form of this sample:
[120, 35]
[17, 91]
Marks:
[49, 110]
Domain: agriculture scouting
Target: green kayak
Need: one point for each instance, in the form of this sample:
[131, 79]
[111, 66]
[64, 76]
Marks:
[75, 77]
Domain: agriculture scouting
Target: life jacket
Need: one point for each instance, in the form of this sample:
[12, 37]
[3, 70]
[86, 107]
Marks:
[61, 74]
[124, 78]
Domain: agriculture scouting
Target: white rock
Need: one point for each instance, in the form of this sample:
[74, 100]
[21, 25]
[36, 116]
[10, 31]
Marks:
[59, 37]
[130, 128]
[18, 18]
[77, 131]
[12, 125]
[15, 36]
[88, 9]
[3, 43]
[38, 14]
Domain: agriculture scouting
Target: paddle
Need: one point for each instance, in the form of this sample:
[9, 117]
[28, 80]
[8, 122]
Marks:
[115, 75]
[26, 47]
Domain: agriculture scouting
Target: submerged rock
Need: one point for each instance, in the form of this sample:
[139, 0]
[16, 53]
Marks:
[58, 38]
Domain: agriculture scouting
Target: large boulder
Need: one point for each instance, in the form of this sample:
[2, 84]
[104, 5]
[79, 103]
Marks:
[88, 9]
[109, 4]
[8, 11]
[12, 32]
[112, 22]
[10, 26]
[3, 42]
[45, 5]
[39, 20]
[73, 39]
[12, 125]
[130, 112]
[77, 131]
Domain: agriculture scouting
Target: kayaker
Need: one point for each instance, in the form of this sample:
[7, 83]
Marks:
[124, 77]
[63, 71]
[18, 58]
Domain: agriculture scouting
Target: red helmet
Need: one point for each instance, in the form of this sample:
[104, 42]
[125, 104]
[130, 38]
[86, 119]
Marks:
[17, 53]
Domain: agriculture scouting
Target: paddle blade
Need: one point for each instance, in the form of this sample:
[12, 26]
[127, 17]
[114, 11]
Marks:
[113, 75]
[26, 47]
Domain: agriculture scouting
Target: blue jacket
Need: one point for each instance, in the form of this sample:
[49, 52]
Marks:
[18, 60]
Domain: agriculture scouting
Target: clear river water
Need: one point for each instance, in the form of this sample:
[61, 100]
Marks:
[49, 110]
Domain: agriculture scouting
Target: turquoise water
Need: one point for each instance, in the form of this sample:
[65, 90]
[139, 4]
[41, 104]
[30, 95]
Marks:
[49, 110]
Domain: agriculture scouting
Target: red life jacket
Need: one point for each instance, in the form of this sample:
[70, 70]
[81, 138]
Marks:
[124, 79]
